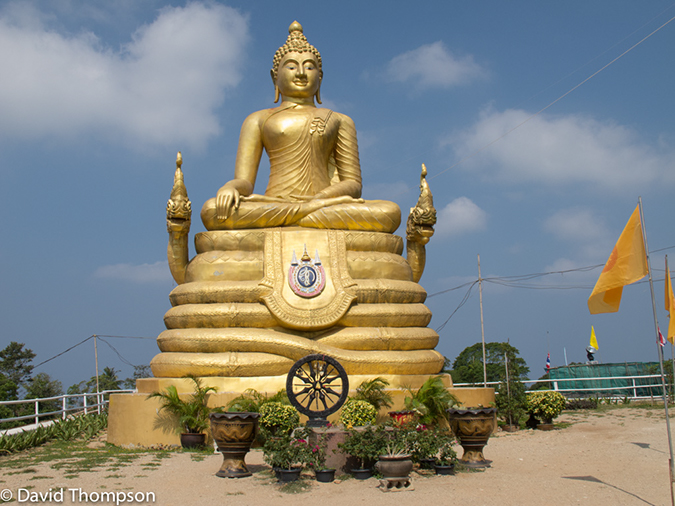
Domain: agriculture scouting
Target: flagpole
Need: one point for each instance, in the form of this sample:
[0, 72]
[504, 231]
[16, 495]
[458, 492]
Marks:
[672, 345]
[482, 329]
[660, 351]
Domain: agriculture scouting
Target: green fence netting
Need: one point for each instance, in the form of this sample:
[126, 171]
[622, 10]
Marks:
[584, 378]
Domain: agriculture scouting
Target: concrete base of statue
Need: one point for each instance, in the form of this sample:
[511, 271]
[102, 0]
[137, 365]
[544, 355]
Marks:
[134, 419]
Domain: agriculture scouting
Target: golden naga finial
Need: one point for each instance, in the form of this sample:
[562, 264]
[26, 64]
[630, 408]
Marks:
[420, 227]
[178, 207]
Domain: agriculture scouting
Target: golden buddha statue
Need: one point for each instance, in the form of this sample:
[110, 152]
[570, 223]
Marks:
[308, 267]
[315, 176]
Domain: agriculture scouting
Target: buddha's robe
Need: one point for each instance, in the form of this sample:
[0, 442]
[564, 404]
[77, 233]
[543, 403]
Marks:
[309, 150]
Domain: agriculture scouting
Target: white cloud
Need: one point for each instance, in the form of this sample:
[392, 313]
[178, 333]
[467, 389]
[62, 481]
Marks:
[584, 231]
[433, 66]
[563, 149]
[576, 223]
[161, 88]
[460, 216]
[144, 273]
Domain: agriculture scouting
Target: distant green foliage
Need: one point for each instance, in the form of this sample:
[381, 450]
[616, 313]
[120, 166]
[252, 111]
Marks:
[511, 401]
[468, 366]
[15, 362]
[591, 403]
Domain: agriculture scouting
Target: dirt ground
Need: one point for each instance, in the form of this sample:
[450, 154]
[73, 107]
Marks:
[618, 457]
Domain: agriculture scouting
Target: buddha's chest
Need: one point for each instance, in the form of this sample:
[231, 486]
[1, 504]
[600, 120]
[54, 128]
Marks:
[292, 126]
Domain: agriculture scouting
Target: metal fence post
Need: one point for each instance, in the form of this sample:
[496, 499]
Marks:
[634, 389]
[37, 412]
[63, 407]
[84, 396]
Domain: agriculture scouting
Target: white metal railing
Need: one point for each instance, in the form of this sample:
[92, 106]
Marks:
[633, 386]
[100, 400]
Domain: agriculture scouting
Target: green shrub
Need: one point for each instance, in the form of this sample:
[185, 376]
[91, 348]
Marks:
[357, 414]
[546, 405]
[278, 419]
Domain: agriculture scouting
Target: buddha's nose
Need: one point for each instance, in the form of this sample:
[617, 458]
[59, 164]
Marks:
[301, 71]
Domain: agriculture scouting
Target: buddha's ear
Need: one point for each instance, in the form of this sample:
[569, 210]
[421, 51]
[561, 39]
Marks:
[276, 88]
[318, 93]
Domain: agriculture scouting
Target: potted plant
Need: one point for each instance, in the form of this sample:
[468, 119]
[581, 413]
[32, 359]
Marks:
[251, 400]
[192, 413]
[395, 464]
[424, 444]
[430, 401]
[277, 419]
[472, 428]
[545, 406]
[234, 433]
[447, 458]
[365, 445]
[511, 403]
[373, 392]
[287, 454]
[317, 461]
[357, 414]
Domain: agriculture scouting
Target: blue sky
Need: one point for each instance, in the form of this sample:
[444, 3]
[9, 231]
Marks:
[96, 98]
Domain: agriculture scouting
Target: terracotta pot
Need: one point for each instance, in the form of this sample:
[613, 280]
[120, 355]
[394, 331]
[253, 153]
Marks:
[472, 428]
[545, 426]
[325, 475]
[394, 467]
[192, 440]
[234, 433]
[510, 427]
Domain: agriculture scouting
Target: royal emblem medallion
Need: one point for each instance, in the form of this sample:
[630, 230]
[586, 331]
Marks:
[306, 278]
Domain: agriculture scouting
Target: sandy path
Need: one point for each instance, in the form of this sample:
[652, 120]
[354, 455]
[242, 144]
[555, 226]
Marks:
[615, 458]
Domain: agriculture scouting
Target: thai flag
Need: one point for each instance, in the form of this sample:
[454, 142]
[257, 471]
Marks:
[662, 340]
[548, 362]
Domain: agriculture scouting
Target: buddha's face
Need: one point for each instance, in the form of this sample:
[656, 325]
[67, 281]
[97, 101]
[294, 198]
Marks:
[298, 75]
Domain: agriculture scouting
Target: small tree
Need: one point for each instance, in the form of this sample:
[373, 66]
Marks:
[15, 362]
[40, 386]
[468, 366]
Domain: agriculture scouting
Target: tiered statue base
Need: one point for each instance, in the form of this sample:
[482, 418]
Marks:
[134, 421]
[242, 313]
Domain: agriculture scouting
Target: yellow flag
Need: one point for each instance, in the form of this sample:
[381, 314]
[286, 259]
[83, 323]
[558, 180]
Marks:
[626, 265]
[670, 305]
[594, 341]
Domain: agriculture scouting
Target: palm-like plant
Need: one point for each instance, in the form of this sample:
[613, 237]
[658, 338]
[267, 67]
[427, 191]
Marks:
[431, 401]
[372, 391]
[251, 400]
[193, 413]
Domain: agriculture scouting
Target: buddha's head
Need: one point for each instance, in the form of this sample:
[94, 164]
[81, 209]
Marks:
[297, 51]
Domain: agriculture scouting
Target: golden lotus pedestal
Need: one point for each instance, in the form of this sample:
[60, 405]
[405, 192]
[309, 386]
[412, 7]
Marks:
[256, 301]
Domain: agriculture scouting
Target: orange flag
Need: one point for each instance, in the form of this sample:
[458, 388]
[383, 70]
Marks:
[670, 305]
[626, 265]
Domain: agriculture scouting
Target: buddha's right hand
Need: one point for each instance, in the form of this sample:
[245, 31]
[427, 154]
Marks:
[227, 201]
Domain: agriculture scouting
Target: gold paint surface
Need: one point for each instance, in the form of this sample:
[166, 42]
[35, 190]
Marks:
[234, 312]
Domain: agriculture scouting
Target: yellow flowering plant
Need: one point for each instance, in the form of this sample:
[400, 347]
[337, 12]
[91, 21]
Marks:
[546, 405]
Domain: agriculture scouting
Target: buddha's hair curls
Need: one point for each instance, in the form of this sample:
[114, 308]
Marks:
[297, 42]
